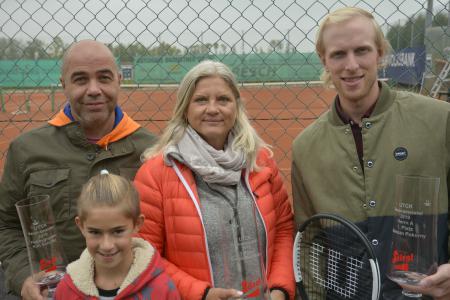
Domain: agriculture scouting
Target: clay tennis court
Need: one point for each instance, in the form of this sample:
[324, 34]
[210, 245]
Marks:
[278, 112]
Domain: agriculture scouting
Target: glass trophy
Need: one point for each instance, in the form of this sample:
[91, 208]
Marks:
[45, 256]
[242, 256]
[414, 235]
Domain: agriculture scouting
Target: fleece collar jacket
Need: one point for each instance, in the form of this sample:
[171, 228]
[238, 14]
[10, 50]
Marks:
[146, 278]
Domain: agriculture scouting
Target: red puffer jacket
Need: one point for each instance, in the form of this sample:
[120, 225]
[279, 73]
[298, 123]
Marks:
[174, 226]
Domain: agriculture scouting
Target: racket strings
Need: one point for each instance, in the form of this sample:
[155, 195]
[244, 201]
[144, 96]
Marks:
[336, 261]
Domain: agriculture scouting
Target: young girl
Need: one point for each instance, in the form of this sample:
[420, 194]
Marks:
[115, 264]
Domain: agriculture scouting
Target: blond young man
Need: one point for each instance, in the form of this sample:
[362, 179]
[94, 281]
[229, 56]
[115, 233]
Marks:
[346, 161]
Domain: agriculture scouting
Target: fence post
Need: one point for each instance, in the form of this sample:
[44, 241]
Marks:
[2, 100]
[52, 96]
[27, 102]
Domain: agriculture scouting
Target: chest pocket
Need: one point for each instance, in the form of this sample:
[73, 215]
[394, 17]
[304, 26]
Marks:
[54, 183]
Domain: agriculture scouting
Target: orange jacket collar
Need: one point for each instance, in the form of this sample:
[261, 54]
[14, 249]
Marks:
[125, 127]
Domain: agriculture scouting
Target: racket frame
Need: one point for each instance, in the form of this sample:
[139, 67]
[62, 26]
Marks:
[376, 286]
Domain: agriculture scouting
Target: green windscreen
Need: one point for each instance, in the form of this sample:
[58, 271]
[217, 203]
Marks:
[29, 73]
[264, 67]
[270, 67]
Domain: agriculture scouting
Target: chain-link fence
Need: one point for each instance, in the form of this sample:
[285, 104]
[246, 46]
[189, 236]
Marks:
[268, 44]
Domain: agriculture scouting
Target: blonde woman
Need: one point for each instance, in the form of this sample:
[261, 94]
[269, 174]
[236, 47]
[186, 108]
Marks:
[211, 177]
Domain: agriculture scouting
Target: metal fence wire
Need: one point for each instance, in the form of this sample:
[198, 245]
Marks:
[268, 44]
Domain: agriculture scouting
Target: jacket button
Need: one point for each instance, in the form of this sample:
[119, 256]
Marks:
[368, 125]
[372, 203]
[355, 168]
[347, 131]
[375, 242]
[90, 156]
[370, 163]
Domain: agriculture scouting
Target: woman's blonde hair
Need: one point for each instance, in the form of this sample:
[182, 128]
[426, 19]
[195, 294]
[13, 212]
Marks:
[109, 190]
[245, 136]
[343, 15]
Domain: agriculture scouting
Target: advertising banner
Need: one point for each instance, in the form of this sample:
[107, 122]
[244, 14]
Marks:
[405, 66]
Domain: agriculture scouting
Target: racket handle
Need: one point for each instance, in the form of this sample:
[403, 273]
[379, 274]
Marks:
[301, 291]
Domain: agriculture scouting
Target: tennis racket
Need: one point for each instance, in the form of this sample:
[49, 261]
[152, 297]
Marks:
[333, 260]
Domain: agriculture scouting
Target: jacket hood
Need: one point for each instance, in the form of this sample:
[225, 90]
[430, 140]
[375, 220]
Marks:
[82, 270]
[123, 125]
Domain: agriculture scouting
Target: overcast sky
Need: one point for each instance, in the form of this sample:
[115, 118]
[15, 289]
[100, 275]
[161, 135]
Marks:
[241, 23]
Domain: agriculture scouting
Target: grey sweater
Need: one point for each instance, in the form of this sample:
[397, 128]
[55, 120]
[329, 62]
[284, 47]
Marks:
[234, 232]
